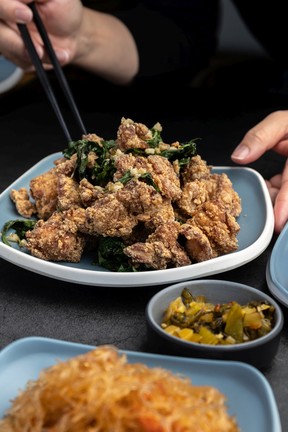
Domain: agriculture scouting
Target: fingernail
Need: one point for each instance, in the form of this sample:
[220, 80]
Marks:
[23, 15]
[63, 56]
[241, 152]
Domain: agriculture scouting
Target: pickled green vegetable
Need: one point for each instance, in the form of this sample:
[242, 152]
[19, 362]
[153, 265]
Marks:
[194, 319]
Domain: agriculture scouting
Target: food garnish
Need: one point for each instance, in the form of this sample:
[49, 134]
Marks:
[20, 227]
[194, 319]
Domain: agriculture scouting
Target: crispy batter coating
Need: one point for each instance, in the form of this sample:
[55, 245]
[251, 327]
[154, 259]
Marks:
[211, 232]
[160, 169]
[132, 135]
[68, 193]
[212, 187]
[56, 239]
[109, 217]
[99, 391]
[161, 250]
[194, 193]
[93, 137]
[196, 169]
[160, 215]
[22, 202]
[221, 191]
[167, 213]
[165, 177]
[89, 193]
[66, 166]
[43, 189]
[139, 199]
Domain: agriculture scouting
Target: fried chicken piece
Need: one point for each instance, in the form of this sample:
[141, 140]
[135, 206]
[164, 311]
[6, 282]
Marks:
[109, 217]
[221, 190]
[160, 215]
[197, 243]
[127, 162]
[68, 193]
[44, 190]
[116, 214]
[90, 193]
[161, 250]
[132, 135]
[194, 193]
[160, 169]
[165, 177]
[56, 239]
[196, 169]
[214, 187]
[140, 199]
[66, 166]
[219, 230]
[93, 137]
[22, 202]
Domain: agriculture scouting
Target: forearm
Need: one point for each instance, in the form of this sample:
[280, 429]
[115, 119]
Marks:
[103, 45]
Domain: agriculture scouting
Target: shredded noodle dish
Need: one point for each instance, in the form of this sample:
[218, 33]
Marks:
[100, 391]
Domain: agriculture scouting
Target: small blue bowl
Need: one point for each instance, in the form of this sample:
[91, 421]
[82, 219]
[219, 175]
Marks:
[10, 74]
[259, 352]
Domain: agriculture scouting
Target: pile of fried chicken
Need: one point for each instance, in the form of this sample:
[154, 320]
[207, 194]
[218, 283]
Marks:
[185, 214]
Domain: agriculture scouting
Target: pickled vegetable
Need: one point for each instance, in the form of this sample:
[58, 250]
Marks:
[194, 319]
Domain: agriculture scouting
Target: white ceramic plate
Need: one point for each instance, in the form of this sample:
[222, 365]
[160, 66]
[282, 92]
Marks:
[249, 395]
[256, 230]
[276, 270]
[10, 75]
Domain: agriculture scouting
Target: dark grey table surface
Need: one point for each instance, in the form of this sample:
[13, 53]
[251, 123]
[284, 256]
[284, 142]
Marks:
[34, 305]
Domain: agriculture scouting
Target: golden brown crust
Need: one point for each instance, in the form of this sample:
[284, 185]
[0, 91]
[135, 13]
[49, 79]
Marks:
[145, 191]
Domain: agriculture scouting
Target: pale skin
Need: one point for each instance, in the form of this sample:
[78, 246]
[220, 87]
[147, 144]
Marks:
[94, 41]
[270, 133]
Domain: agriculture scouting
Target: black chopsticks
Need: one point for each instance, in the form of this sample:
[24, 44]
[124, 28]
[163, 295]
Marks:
[58, 72]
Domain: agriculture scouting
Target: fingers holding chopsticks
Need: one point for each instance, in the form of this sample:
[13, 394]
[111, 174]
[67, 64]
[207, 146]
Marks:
[14, 12]
[11, 43]
[85, 37]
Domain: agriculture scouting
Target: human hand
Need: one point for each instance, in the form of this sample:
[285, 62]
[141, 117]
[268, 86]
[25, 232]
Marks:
[91, 40]
[270, 133]
[60, 30]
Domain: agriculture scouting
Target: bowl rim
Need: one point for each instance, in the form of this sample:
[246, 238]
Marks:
[206, 347]
[14, 77]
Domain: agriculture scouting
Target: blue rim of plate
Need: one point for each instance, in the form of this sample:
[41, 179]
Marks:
[10, 74]
[276, 270]
[249, 395]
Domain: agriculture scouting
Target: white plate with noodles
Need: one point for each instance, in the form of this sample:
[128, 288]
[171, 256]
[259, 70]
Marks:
[249, 396]
[256, 229]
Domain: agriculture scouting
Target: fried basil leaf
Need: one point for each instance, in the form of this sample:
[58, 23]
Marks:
[20, 226]
[102, 170]
[110, 255]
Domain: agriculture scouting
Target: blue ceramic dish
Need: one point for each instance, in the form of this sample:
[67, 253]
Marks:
[249, 395]
[276, 272]
[259, 352]
[256, 229]
[10, 75]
